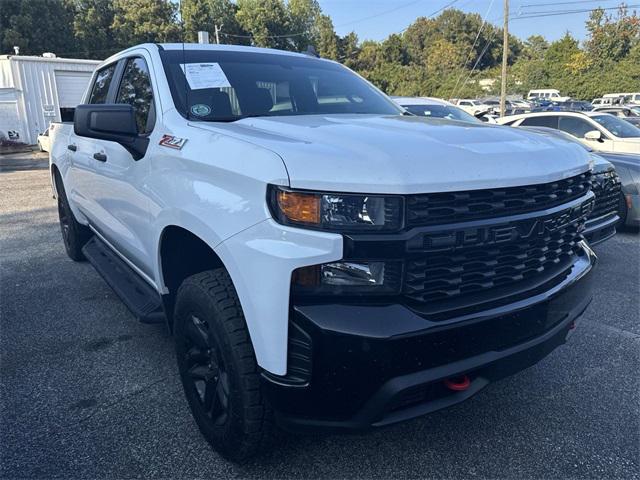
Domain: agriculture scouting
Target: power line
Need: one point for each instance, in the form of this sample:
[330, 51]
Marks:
[553, 4]
[380, 13]
[484, 22]
[551, 13]
[432, 14]
[359, 20]
[482, 53]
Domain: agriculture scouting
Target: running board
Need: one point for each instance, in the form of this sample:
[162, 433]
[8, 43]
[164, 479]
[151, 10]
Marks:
[139, 297]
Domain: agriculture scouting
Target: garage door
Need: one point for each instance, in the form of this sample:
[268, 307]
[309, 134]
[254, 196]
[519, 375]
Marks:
[71, 87]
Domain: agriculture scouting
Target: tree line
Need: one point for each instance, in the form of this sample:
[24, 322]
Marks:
[446, 56]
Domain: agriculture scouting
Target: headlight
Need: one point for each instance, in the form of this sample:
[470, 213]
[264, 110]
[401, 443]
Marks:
[348, 278]
[342, 212]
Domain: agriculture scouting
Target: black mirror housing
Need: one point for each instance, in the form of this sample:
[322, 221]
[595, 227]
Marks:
[111, 122]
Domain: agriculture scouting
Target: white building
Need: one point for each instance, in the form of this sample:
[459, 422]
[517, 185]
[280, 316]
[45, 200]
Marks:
[35, 91]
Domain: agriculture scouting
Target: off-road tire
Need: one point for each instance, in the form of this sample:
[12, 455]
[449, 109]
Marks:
[213, 350]
[74, 234]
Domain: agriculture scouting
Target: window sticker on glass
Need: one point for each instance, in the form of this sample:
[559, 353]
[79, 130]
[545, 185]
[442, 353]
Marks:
[200, 109]
[205, 75]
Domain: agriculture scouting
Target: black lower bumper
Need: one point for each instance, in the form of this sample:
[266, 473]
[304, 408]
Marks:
[599, 229]
[372, 366]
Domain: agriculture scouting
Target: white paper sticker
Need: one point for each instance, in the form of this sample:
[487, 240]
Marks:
[205, 75]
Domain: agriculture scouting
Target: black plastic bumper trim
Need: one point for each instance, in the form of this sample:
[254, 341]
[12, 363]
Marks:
[363, 375]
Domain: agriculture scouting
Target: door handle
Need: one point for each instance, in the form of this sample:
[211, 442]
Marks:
[72, 147]
[101, 157]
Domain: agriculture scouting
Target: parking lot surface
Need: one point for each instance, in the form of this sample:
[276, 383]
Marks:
[87, 392]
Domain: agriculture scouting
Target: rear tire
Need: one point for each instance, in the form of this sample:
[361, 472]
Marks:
[74, 234]
[218, 367]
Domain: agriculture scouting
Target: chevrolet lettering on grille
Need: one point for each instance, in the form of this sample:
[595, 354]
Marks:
[509, 232]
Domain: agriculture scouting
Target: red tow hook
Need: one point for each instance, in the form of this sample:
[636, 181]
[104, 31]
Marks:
[458, 384]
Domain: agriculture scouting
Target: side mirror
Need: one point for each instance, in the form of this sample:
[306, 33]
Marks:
[112, 122]
[593, 136]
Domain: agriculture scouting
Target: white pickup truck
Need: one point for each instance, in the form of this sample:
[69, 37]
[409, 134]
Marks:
[323, 259]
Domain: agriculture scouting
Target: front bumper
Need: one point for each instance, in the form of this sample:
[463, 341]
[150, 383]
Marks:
[599, 229]
[371, 366]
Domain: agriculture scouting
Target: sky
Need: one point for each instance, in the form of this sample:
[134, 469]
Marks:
[377, 19]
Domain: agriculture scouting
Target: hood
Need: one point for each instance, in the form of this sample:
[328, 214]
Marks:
[600, 164]
[404, 154]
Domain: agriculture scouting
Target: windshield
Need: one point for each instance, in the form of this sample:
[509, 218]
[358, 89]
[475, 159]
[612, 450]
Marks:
[635, 111]
[617, 126]
[230, 85]
[441, 111]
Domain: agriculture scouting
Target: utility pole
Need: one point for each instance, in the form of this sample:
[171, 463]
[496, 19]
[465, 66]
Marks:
[505, 55]
[218, 29]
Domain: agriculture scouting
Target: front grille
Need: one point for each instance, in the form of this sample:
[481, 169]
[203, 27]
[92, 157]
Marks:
[437, 277]
[452, 207]
[607, 189]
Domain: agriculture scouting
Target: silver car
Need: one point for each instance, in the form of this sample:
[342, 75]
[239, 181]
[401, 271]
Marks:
[627, 196]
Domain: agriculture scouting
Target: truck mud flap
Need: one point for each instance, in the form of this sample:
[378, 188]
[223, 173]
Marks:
[139, 297]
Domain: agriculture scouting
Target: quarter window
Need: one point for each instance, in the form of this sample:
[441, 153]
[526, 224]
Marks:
[101, 84]
[135, 89]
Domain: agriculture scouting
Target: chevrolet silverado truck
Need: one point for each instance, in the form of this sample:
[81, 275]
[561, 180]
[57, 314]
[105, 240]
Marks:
[323, 259]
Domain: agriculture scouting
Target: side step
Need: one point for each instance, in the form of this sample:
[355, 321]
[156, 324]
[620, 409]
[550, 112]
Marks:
[139, 297]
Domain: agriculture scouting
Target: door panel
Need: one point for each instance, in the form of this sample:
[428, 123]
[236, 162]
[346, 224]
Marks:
[122, 205]
[82, 166]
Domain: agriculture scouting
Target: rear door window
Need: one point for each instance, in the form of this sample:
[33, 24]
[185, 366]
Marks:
[101, 84]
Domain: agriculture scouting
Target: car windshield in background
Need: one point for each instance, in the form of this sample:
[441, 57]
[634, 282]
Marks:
[617, 126]
[441, 111]
[230, 85]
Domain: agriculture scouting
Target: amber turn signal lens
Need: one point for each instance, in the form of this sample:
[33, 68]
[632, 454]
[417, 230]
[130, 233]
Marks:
[300, 207]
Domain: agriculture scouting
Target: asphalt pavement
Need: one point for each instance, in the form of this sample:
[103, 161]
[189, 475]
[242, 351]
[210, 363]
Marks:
[87, 392]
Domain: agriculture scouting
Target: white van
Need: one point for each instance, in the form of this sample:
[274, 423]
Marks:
[548, 94]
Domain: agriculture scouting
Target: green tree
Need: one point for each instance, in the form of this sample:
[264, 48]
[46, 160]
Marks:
[140, 21]
[611, 38]
[267, 21]
[92, 28]
[328, 43]
[37, 26]
[303, 23]
[535, 47]
[203, 15]
[196, 16]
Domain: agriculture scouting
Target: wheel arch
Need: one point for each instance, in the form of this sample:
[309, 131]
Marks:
[181, 253]
[54, 171]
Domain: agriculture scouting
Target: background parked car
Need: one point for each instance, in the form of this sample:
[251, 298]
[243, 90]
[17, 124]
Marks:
[434, 108]
[601, 131]
[576, 106]
[627, 168]
[632, 98]
[631, 113]
[543, 105]
[44, 141]
[472, 107]
[547, 93]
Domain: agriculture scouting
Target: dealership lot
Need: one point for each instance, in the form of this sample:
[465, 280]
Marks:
[88, 392]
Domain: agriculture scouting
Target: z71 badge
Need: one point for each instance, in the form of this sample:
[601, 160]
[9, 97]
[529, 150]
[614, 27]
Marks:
[172, 142]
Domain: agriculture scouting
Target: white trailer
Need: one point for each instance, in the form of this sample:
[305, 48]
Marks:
[35, 91]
